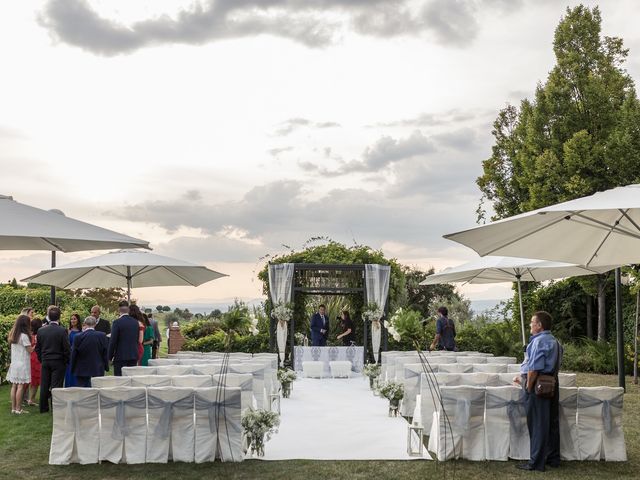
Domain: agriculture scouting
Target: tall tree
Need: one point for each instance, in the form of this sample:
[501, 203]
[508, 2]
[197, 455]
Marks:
[580, 134]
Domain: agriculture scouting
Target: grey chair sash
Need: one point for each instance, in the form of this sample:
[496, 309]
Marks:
[71, 418]
[217, 409]
[516, 410]
[163, 429]
[587, 401]
[120, 428]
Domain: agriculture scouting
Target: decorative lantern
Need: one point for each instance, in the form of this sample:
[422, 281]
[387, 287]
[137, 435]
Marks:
[415, 446]
[274, 402]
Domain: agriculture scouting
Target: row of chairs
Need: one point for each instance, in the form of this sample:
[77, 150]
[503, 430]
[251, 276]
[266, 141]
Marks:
[146, 425]
[416, 382]
[489, 423]
[394, 369]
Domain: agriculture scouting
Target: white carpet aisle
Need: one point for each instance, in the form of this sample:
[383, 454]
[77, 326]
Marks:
[337, 419]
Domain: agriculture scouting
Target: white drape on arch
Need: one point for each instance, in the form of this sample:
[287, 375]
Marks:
[377, 283]
[281, 288]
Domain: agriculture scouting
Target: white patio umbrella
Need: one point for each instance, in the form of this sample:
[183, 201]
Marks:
[28, 228]
[598, 230]
[494, 269]
[126, 269]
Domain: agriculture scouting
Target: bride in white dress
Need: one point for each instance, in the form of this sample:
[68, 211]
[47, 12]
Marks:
[19, 373]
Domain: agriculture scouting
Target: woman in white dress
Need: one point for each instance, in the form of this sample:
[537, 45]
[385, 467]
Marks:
[19, 373]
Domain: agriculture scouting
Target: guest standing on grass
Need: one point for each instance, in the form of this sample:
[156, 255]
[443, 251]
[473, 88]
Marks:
[136, 313]
[53, 352]
[89, 355]
[445, 338]
[123, 344]
[102, 325]
[543, 357]
[36, 324]
[147, 341]
[75, 327]
[157, 338]
[19, 373]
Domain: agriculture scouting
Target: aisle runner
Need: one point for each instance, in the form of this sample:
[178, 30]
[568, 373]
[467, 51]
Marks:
[337, 419]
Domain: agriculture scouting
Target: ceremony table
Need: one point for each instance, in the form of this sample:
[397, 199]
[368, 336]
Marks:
[325, 355]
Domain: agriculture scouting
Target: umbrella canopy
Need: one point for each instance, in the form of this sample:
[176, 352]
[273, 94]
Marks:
[598, 230]
[126, 269]
[28, 228]
[510, 269]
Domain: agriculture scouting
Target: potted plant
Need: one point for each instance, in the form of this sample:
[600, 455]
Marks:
[372, 370]
[258, 427]
[394, 392]
[286, 377]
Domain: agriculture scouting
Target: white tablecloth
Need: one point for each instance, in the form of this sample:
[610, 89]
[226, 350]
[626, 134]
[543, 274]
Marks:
[329, 354]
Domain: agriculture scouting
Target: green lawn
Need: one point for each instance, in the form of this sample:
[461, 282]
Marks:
[24, 449]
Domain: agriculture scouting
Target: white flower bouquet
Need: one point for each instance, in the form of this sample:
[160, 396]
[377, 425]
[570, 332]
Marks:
[259, 426]
[282, 312]
[372, 312]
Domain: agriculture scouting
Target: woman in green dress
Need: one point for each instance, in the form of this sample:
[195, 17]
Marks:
[147, 341]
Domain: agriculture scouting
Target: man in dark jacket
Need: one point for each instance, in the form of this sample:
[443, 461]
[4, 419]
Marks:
[53, 351]
[89, 353]
[102, 325]
[123, 345]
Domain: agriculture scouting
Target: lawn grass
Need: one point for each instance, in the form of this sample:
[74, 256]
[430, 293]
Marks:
[24, 450]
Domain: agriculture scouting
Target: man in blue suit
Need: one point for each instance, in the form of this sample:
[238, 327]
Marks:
[89, 353]
[319, 327]
[123, 345]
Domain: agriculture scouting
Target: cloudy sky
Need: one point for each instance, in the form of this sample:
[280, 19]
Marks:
[221, 130]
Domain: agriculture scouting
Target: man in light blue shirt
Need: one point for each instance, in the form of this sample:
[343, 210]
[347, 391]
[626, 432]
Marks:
[541, 358]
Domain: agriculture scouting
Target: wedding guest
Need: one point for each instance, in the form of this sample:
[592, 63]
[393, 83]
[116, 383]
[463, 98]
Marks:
[445, 332]
[29, 312]
[542, 357]
[36, 323]
[319, 327]
[136, 313]
[147, 341]
[46, 318]
[89, 353]
[19, 374]
[102, 325]
[348, 334]
[157, 338]
[123, 344]
[75, 327]
[53, 352]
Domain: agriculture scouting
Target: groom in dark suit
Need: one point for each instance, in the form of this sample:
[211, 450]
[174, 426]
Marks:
[319, 327]
[89, 353]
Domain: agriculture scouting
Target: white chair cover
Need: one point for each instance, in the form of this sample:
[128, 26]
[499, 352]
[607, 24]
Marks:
[258, 373]
[479, 379]
[218, 427]
[156, 362]
[458, 429]
[106, 382]
[340, 369]
[123, 424]
[454, 367]
[489, 367]
[438, 359]
[567, 379]
[506, 379]
[502, 360]
[174, 370]
[313, 369]
[131, 371]
[472, 359]
[75, 426]
[171, 433]
[271, 383]
[568, 423]
[600, 434]
[411, 381]
[192, 381]
[151, 381]
[513, 368]
[207, 368]
[506, 432]
[189, 354]
[244, 381]
[401, 362]
[429, 394]
[242, 355]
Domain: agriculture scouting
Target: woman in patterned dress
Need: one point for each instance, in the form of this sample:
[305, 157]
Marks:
[19, 373]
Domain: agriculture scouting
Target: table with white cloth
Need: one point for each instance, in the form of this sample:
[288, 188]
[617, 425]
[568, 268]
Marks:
[353, 354]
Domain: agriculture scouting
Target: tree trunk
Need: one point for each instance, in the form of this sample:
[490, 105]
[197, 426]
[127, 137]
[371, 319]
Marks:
[602, 308]
[589, 317]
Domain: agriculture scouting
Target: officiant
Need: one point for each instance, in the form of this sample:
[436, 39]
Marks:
[319, 327]
[348, 335]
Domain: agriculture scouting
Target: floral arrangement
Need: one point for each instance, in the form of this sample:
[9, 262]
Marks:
[301, 338]
[392, 391]
[286, 375]
[259, 426]
[372, 370]
[372, 312]
[405, 324]
[254, 324]
[282, 312]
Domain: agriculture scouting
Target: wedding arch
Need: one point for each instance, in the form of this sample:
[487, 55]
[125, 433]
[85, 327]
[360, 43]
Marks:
[289, 282]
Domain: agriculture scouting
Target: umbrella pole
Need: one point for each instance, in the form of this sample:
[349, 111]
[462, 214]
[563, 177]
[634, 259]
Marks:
[524, 340]
[53, 289]
[619, 332]
[129, 284]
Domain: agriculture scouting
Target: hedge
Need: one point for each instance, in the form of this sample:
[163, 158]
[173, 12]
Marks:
[13, 300]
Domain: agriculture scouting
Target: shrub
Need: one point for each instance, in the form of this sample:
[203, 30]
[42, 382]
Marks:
[199, 329]
[12, 300]
[6, 323]
[587, 355]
